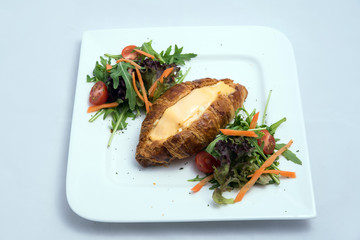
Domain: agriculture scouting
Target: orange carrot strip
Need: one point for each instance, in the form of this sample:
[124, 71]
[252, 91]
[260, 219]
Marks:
[135, 87]
[144, 53]
[95, 108]
[165, 74]
[129, 61]
[198, 186]
[254, 121]
[258, 172]
[160, 79]
[108, 67]
[153, 88]
[146, 101]
[282, 173]
[231, 132]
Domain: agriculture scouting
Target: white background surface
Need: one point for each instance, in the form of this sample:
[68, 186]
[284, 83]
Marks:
[39, 54]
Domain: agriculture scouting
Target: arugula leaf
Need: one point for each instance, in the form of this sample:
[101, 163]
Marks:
[288, 154]
[211, 146]
[90, 79]
[177, 57]
[116, 57]
[121, 69]
[197, 178]
[103, 61]
[97, 114]
[146, 47]
[266, 106]
[182, 76]
[119, 120]
[99, 72]
[274, 126]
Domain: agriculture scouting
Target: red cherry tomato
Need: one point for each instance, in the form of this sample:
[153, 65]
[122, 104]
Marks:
[205, 162]
[98, 93]
[269, 142]
[128, 52]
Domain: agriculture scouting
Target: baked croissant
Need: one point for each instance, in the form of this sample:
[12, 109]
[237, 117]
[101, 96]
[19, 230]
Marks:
[186, 118]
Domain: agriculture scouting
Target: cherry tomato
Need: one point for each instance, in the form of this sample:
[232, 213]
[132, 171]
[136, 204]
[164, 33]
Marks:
[269, 142]
[98, 93]
[205, 162]
[128, 52]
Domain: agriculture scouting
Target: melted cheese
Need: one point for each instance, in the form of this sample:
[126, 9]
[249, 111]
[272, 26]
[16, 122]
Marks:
[187, 110]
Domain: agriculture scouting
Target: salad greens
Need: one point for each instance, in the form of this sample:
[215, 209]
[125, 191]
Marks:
[241, 156]
[118, 79]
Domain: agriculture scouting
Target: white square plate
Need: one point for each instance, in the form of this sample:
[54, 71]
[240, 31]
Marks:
[107, 184]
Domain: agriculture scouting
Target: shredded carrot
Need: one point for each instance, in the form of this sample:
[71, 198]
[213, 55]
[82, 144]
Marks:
[146, 101]
[254, 121]
[144, 53]
[282, 173]
[108, 67]
[165, 74]
[135, 87]
[152, 89]
[258, 172]
[198, 186]
[95, 108]
[160, 79]
[129, 61]
[231, 132]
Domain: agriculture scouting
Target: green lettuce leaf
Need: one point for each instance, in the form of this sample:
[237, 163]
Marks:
[220, 199]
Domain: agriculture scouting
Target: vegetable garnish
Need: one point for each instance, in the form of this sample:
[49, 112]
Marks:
[95, 108]
[198, 186]
[143, 90]
[165, 74]
[282, 173]
[129, 61]
[260, 171]
[128, 52]
[144, 53]
[230, 132]
[254, 121]
[128, 77]
[108, 67]
[246, 159]
[135, 87]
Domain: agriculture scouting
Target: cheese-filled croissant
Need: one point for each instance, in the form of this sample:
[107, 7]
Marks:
[186, 118]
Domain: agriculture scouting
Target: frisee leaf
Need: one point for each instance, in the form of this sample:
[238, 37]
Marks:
[220, 199]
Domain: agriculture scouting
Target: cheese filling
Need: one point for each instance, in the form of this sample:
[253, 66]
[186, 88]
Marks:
[187, 110]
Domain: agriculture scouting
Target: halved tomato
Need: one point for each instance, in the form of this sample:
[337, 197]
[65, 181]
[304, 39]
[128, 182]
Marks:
[205, 162]
[268, 140]
[98, 93]
[129, 53]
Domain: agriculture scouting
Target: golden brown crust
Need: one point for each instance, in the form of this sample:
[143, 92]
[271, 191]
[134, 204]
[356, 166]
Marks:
[195, 137]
